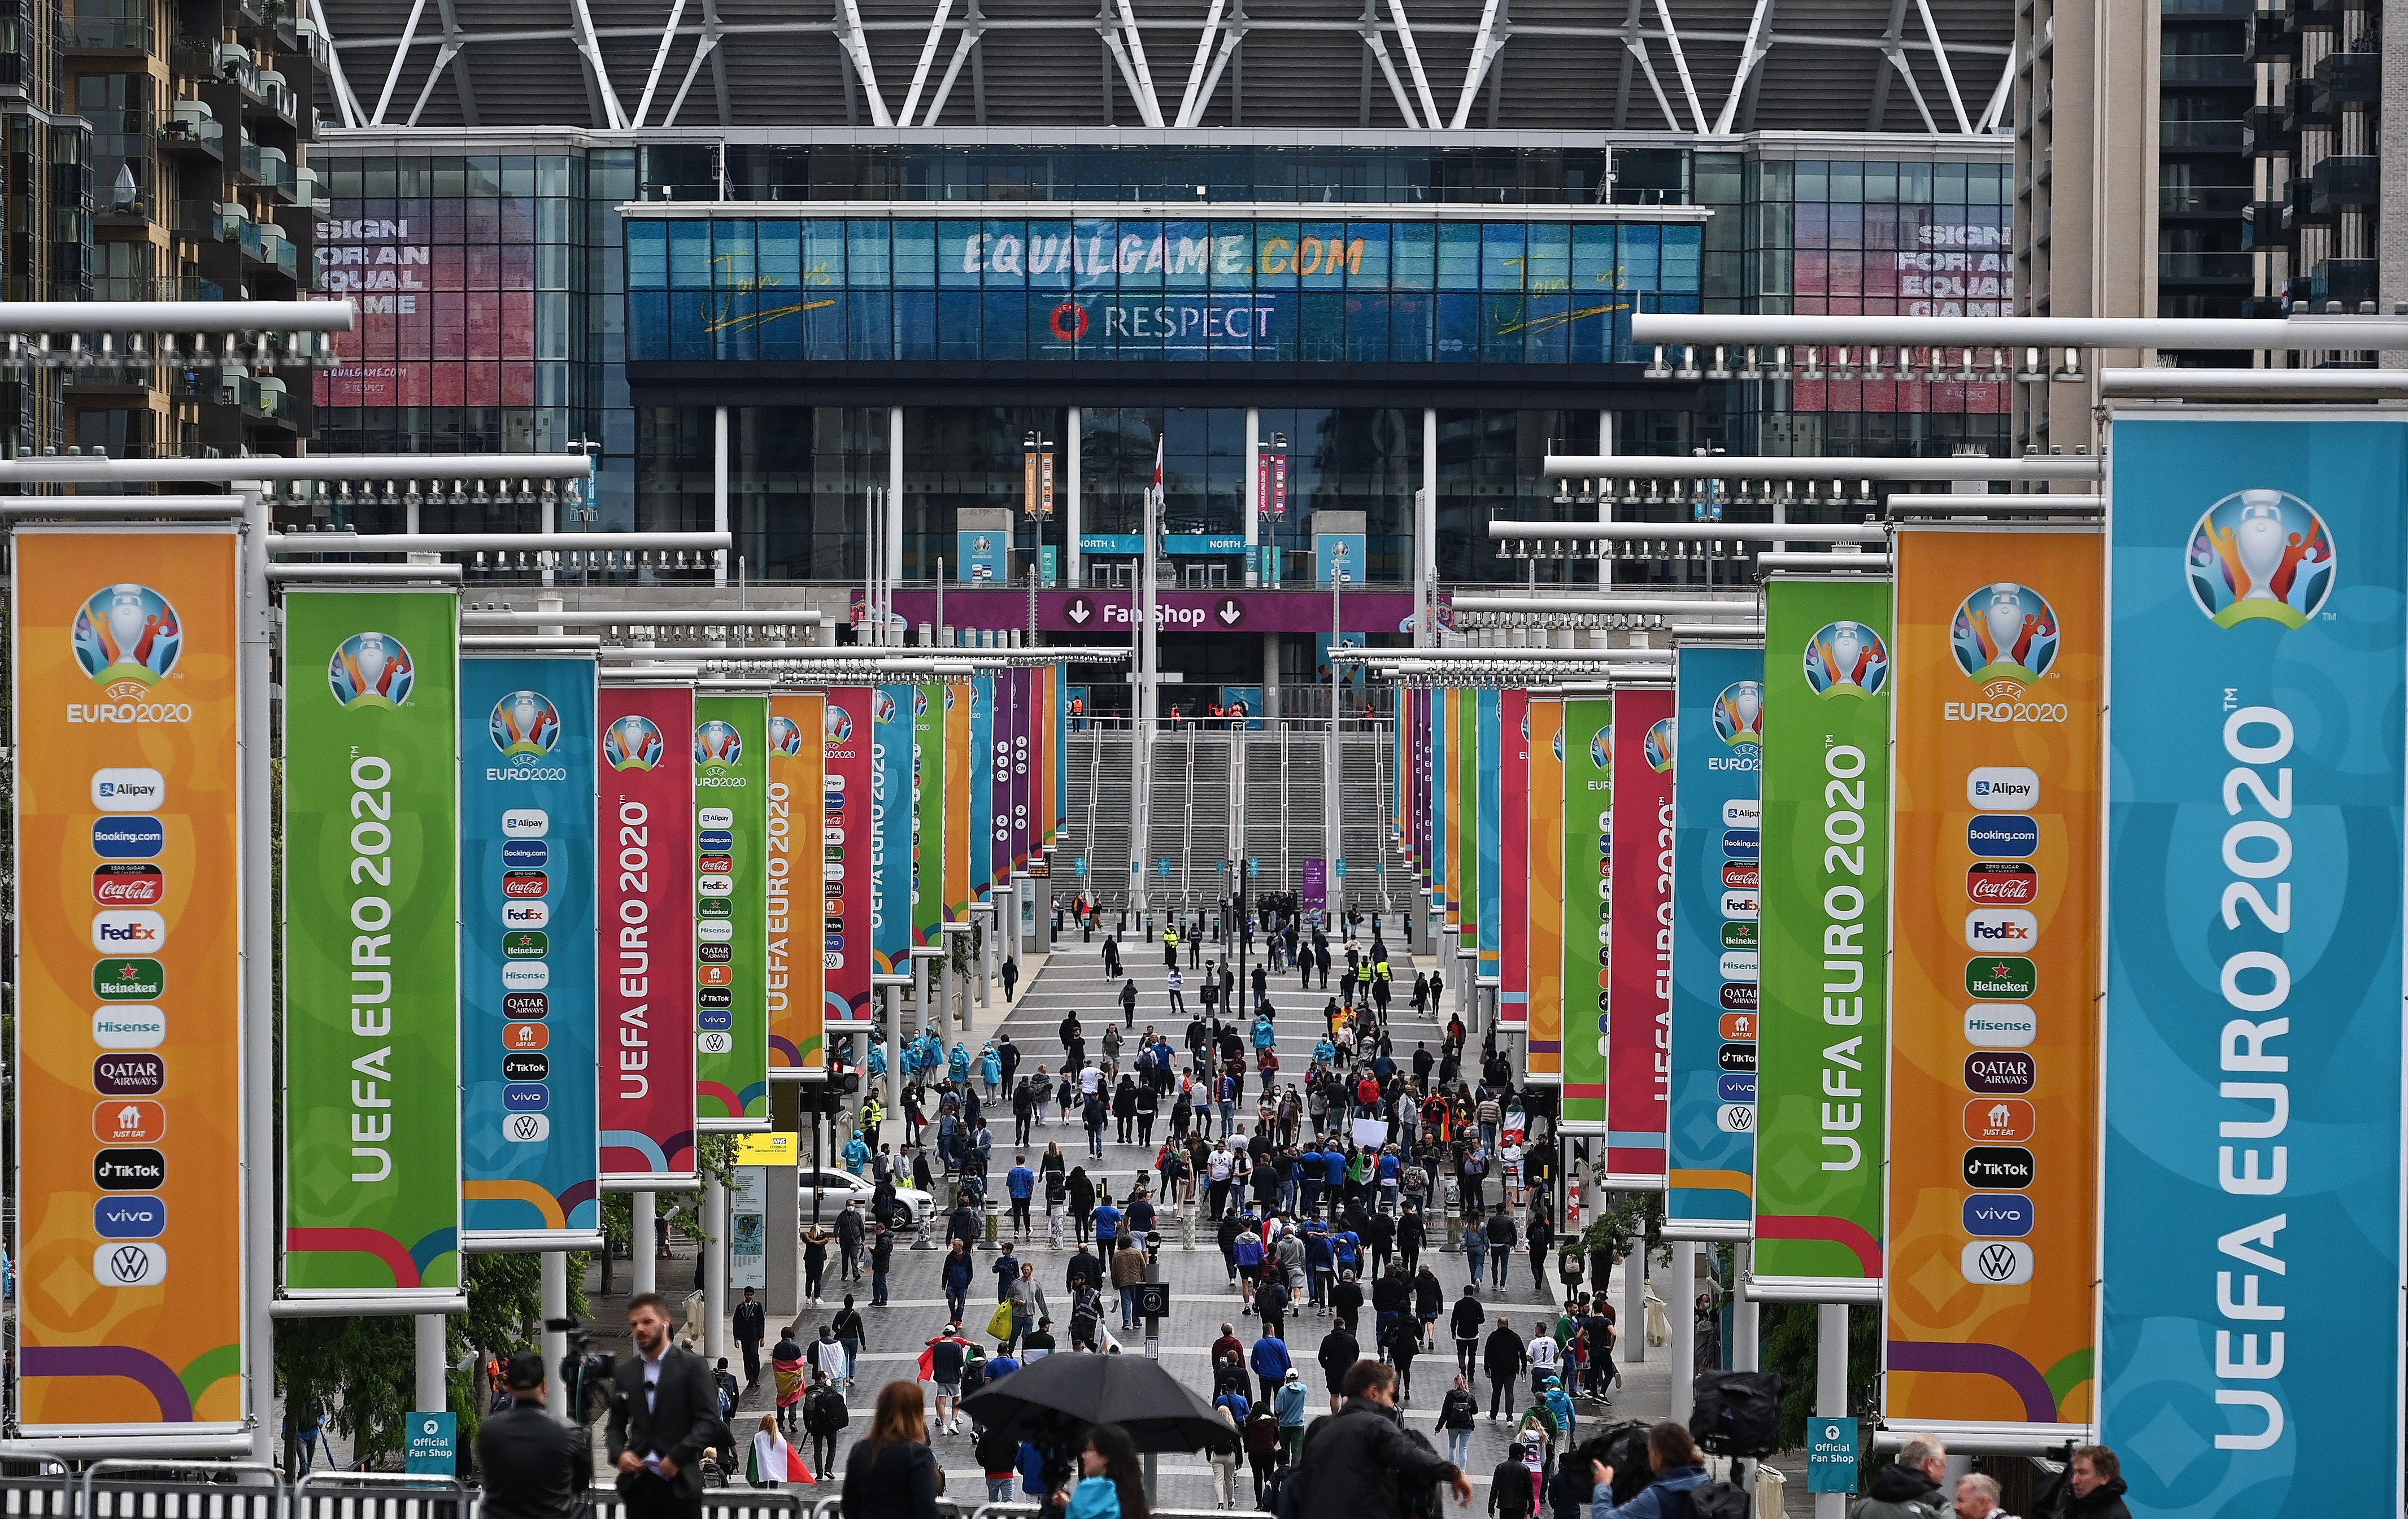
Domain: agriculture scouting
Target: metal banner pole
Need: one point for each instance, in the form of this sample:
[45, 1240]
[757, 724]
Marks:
[258, 638]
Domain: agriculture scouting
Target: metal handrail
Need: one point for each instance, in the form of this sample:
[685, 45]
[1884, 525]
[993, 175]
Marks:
[332, 1478]
[123, 1463]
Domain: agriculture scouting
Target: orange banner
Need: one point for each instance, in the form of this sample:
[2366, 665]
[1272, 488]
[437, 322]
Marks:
[1994, 1053]
[129, 1026]
[798, 967]
[1546, 892]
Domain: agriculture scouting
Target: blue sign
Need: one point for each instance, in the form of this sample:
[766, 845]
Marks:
[1832, 1461]
[2002, 836]
[1131, 543]
[527, 781]
[1248, 699]
[985, 558]
[433, 1445]
[128, 839]
[2252, 1167]
[1339, 559]
[1046, 569]
[1080, 868]
[1718, 706]
[129, 1218]
[1997, 1215]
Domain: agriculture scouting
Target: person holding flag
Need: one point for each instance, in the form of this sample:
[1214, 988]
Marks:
[773, 1462]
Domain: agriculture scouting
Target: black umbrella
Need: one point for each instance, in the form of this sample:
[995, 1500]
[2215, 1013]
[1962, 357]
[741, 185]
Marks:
[1071, 1390]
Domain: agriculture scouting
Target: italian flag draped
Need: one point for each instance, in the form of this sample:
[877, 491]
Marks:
[774, 1461]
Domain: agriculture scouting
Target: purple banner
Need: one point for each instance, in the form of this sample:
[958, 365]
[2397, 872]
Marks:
[1316, 888]
[1007, 705]
[1110, 614]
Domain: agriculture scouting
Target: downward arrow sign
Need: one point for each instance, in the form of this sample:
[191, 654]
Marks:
[1230, 612]
[1079, 613]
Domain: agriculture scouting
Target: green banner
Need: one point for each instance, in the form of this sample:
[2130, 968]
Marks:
[927, 815]
[731, 908]
[371, 942]
[1587, 741]
[1823, 981]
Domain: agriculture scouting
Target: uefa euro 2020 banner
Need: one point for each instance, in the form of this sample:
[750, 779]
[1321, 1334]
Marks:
[1640, 1005]
[2001, 645]
[731, 927]
[529, 1141]
[1588, 916]
[1823, 1007]
[1545, 1042]
[2251, 1323]
[1719, 702]
[799, 726]
[129, 991]
[649, 824]
[372, 944]
[893, 771]
[1513, 861]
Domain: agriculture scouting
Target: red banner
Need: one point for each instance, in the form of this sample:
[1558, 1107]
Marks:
[645, 919]
[845, 891]
[1640, 1000]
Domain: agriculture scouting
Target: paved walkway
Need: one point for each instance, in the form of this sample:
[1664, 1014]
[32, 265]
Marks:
[1202, 1298]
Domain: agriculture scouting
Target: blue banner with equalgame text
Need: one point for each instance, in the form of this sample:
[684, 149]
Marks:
[530, 1161]
[2251, 1260]
[1718, 712]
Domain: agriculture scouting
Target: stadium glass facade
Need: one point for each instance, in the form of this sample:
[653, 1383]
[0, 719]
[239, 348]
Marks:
[1345, 299]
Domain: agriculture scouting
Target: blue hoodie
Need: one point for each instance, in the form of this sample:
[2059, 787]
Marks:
[1270, 1358]
[1666, 1497]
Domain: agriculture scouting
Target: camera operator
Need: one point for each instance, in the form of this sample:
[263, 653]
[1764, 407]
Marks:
[663, 1414]
[534, 1466]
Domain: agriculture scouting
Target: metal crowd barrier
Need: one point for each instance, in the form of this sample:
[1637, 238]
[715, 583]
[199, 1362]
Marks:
[380, 1495]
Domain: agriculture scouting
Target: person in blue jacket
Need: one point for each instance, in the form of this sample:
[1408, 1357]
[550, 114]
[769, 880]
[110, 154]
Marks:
[1112, 1483]
[1679, 1472]
[1269, 1359]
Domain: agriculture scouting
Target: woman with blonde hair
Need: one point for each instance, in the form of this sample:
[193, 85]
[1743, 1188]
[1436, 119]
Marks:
[892, 1474]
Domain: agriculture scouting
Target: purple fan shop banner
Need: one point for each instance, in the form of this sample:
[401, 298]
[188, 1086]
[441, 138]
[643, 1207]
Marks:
[1111, 613]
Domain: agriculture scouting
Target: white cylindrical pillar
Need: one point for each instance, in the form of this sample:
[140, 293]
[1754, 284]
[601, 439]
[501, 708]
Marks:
[718, 491]
[1073, 519]
[432, 1396]
[1634, 1299]
[1604, 501]
[1252, 489]
[553, 1288]
[1684, 1329]
[1425, 535]
[714, 1276]
[1832, 1387]
[642, 1266]
[1745, 1311]
[893, 565]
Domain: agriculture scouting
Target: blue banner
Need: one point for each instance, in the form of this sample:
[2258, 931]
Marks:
[1340, 558]
[530, 1158]
[1491, 826]
[889, 842]
[980, 781]
[2252, 1261]
[1719, 717]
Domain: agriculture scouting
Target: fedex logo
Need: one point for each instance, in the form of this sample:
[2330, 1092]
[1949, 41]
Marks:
[116, 933]
[2000, 929]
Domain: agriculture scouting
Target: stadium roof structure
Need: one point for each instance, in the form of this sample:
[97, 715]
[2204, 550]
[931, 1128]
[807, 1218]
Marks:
[928, 70]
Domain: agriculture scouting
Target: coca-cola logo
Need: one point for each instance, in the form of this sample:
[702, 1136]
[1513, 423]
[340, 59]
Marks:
[128, 885]
[1994, 883]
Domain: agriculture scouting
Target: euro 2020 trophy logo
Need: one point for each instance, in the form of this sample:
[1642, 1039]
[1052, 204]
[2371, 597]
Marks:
[1658, 745]
[371, 669]
[717, 746]
[633, 742]
[127, 637]
[2260, 553]
[2005, 637]
[524, 725]
[1739, 713]
[1846, 659]
[785, 738]
[836, 725]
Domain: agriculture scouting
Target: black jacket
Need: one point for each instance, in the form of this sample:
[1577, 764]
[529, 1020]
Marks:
[680, 1420]
[1505, 1354]
[1904, 1492]
[1357, 1467]
[1509, 1490]
[890, 1481]
[2106, 1501]
[752, 1323]
[1468, 1317]
[1339, 1351]
[534, 1466]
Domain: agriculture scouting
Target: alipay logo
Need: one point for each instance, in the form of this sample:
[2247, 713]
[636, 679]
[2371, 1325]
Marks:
[128, 790]
[2002, 788]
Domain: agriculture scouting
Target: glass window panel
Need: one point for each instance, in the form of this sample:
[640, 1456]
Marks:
[1048, 256]
[1458, 255]
[736, 325]
[1232, 336]
[823, 319]
[1414, 257]
[689, 326]
[778, 255]
[1813, 179]
[1322, 262]
[1277, 317]
[1367, 253]
[648, 325]
[1409, 328]
[1503, 257]
[959, 318]
[1593, 257]
[961, 253]
[1233, 256]
[1458, 327]
[1549, 267]
[689, 254]
[1501, 325]
[731, 255]
[871, 321]
[648, 255]
[1275, 254]
[1323, 315]
[1138, 255]
[1366, 329]
[1544, 328]
[1642, 254]
[824, 252]
[915, 256]
[867, 259]
[1186, 255]
[1098, 265]
[1005, 258]
[781, 322]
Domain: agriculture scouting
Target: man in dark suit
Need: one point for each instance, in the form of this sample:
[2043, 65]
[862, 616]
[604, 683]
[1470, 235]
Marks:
[534, 1466]
[664, 1413]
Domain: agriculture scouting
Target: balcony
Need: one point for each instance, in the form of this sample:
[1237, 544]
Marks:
[267, 168]
[2196, 135]
[276, 249]
[2348, 280]
[2203, 10]
[2221, 201]
[191, 132]
[100, 26]
[2271, 39]
[2314, 15]
[2302, 212]
[273, 101]
[2302, 110]
[238, 389]
[2346, 183]
[2199, 68]
[2265, 132]
[2346, 80]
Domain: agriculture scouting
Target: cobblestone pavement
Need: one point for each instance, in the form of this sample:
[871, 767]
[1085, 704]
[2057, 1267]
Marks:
[1202, 1296]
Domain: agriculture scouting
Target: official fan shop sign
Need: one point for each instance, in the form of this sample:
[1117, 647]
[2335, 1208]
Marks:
[2001, 643]
[129, 1241]
[371, 944]
[2251, 1323]
[648, 822]
[530, 1157]
[1824, 900]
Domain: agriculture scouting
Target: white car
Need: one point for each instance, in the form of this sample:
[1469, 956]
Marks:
[833, 1189]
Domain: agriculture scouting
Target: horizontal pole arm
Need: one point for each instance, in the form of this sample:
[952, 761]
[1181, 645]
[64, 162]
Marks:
[637, 616]
[475, 542]
[1905, 505]
[177, 316]
[1695, 532]
[100, 471]
[1776, 466]
[2291, 333]
[2258, 385]
[1877, 563]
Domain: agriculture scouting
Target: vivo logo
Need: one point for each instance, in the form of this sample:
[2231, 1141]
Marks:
[1735, 1086]
[129, 1218]
[2002, 788]
[1999, 1215]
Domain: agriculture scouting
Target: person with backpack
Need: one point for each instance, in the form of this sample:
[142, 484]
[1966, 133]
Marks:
[1679, 1474]
[1455, 1413]
[724, 1381]
[823, 1418]
[1224, 1460]
[1263, 1447]
[1290, 1407]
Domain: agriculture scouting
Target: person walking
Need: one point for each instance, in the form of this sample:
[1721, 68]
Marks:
[1679, 1472]
[1010, 976]
[750, 1323]
[1363, 1464]
[1467, 1320]
[892, 1474]
[663, 1416]
[1455, 1413]
[1290, 1408]
[1503, 1358]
